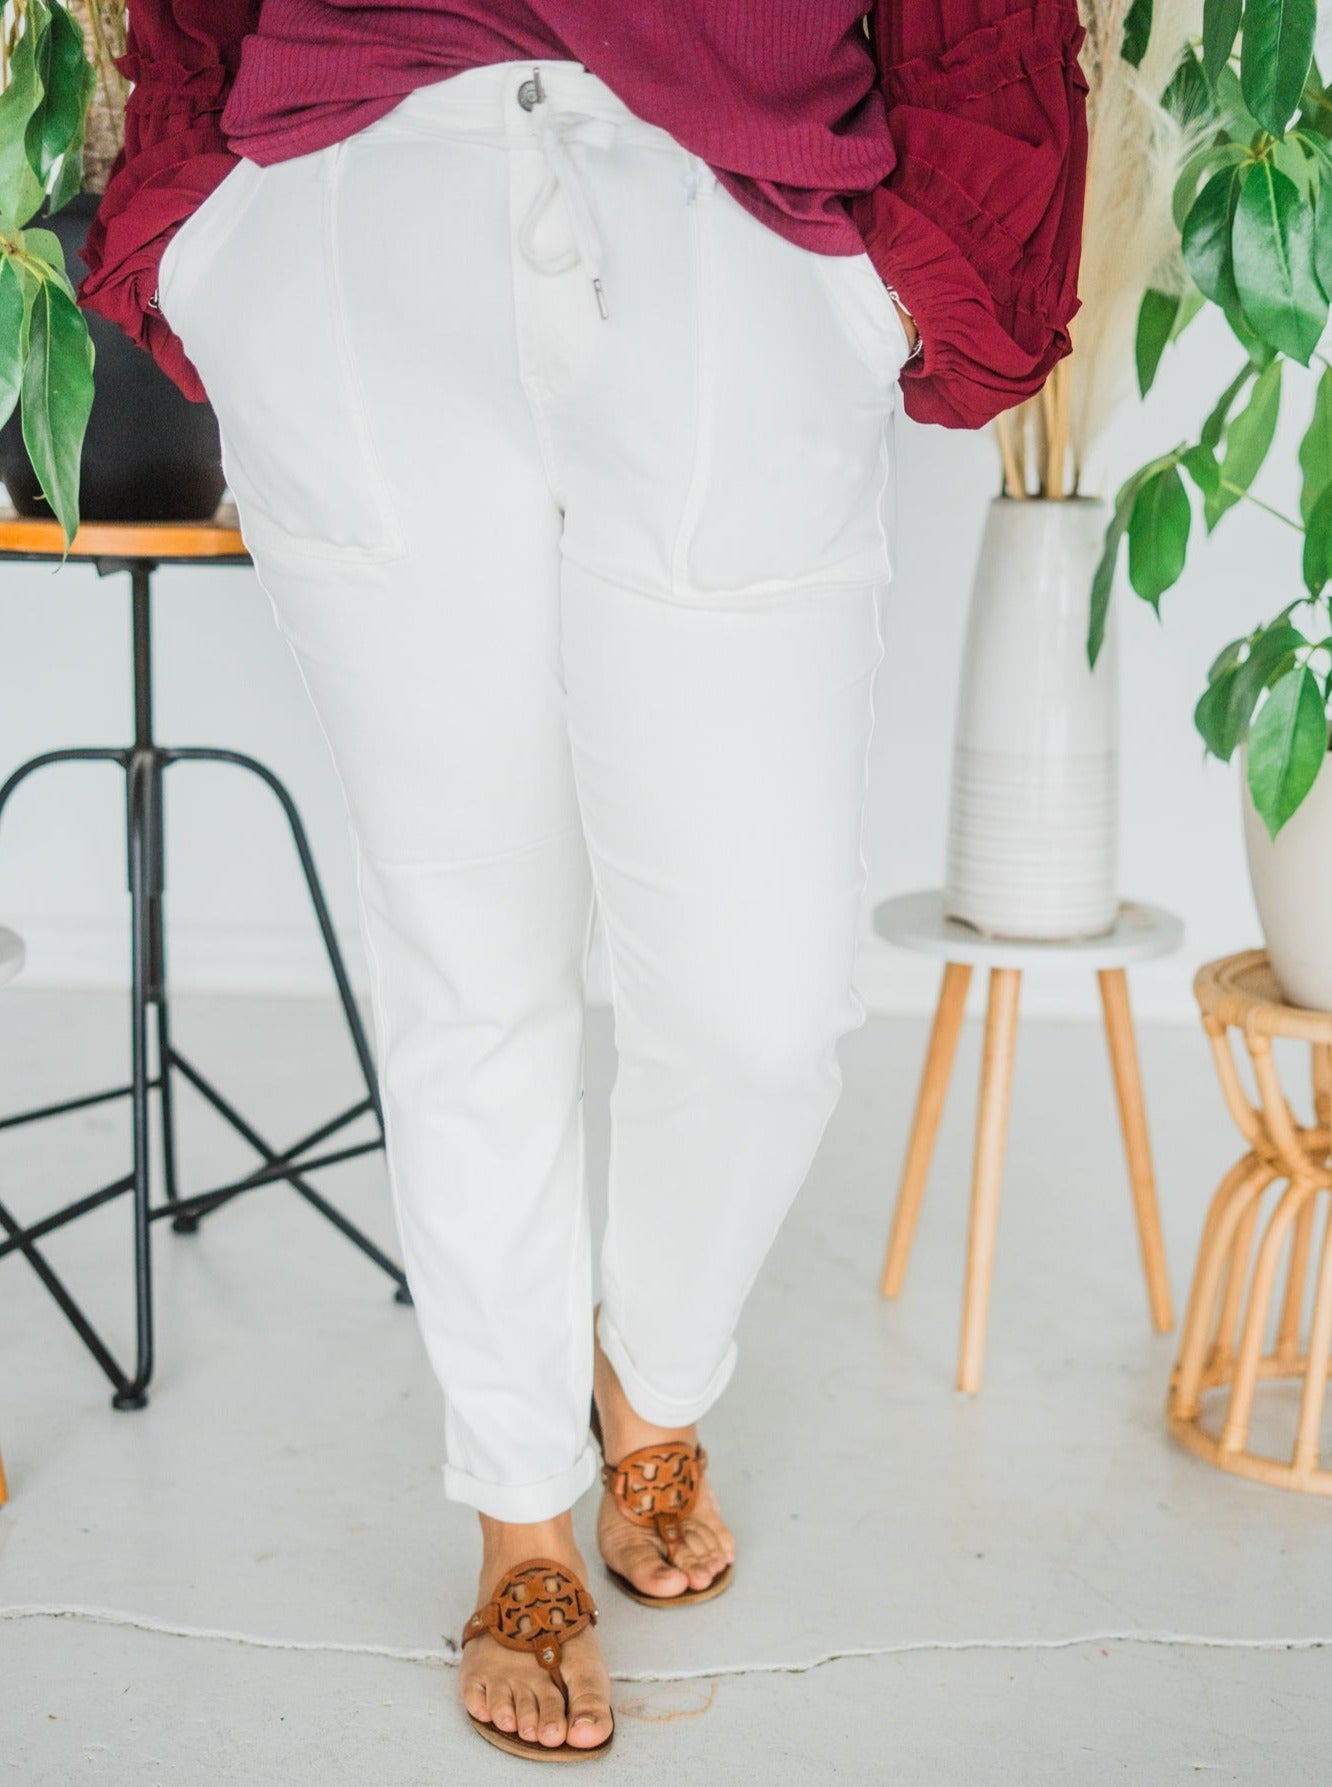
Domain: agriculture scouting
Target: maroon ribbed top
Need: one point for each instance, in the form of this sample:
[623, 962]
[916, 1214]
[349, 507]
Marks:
[781, 100]
[951, 144]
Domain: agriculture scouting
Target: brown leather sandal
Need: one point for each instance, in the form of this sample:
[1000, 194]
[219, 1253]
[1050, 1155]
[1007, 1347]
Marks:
[538, 1607]
[657, 1487]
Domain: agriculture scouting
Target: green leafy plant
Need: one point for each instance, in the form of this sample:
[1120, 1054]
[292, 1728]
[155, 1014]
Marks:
[46, 355]
[1253, 207]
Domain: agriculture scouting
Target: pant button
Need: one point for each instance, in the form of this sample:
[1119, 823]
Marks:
[528, 95]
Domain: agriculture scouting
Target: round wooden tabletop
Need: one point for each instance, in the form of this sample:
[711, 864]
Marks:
[1242, 990]
[22, 536]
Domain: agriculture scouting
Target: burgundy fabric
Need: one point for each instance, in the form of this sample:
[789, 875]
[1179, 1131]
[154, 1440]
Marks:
[951, 144]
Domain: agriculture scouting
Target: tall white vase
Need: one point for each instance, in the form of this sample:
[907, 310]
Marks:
[1033, 819]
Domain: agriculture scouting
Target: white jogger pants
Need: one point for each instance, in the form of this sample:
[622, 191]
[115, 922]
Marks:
[571, 484]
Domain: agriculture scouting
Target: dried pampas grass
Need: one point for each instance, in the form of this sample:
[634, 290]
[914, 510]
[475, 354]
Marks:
[1136, 151]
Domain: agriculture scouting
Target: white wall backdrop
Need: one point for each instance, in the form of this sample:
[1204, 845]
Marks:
[237, 909]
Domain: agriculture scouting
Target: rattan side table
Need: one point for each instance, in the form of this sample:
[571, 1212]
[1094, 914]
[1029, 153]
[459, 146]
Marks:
[1235, 1301]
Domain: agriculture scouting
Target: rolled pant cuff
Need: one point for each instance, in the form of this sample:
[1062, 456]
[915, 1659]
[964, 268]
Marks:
[663, 1411]
[524, 1502]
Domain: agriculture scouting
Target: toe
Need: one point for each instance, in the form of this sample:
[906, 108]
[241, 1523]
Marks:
[589, 1720]
[589, 1702]
[502, 1713]
[650, 1572]
[550, 1713]
[475, 1700]
[529, 1718]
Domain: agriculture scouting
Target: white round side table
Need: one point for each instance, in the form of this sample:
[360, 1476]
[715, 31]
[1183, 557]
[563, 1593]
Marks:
[916, 921]
[11, 961]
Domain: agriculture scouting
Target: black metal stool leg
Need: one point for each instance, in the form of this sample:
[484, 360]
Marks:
[144, 790]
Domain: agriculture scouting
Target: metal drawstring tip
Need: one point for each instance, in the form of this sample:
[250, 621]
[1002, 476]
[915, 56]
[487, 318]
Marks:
[601, 299]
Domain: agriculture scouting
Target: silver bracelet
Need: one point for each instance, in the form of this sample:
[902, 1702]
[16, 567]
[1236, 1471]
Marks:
[919, 348]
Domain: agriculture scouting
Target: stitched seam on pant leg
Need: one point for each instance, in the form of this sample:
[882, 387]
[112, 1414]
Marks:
[529, 378]
[703, 405]
[583, 1224]
[395, 544]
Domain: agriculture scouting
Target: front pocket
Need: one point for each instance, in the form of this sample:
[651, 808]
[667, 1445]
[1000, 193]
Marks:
[869, 312]
[793, 481]
[256, 297]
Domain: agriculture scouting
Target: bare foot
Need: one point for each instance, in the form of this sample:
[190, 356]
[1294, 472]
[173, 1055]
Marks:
[509, 1688]
[707, 1544]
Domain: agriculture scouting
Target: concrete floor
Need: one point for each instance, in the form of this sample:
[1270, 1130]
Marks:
[257, 1581]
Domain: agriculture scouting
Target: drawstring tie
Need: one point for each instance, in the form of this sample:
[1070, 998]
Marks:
[555, 130]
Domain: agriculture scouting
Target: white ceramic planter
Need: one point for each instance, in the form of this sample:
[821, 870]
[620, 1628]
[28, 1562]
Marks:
[1033, 818]
[1291, 876]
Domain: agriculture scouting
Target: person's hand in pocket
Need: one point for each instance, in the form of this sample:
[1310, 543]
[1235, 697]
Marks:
[912, 333]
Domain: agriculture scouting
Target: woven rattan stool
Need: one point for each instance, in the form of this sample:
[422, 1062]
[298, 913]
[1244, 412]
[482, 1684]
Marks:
[1245, 1319]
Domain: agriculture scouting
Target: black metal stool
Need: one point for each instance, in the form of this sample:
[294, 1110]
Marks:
[138, 549]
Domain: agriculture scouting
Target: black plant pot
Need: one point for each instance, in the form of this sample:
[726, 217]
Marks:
[149, 454]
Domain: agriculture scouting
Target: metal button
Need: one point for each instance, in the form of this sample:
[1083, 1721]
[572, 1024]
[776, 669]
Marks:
[529, 94]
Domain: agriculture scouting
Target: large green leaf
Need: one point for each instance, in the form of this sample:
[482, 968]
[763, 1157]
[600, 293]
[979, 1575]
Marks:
[1234, 115]
[1158, 534]
[1103, 580]
[1207, 234]
[21, 191]
[70, 178]
[1137, 30]
[57, 396]
[1156, 323]
[1223, 714]
[12, 307]
[1248, 438]
[1272, 243]
[1214, 426]
[1317, 562]
[46, 245]
[1220, 23]
[1201, 464]
[1275, 55]
[1316, 448]
[1322, 234]
[1287, 746]
[67, 82]
[1207, 160]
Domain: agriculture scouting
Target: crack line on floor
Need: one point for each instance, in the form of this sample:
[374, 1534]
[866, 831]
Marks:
[107, 1616]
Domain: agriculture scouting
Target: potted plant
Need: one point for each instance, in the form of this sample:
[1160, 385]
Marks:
[1253, 210]
[121, 443]
[1033, 810]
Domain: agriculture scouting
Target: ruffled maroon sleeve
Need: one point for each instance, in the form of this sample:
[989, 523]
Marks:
[181, 57]
[978, 228]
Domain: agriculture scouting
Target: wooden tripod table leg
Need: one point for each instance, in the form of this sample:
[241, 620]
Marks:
[1001, 1019]
[1137, 1147]
[948, 1015]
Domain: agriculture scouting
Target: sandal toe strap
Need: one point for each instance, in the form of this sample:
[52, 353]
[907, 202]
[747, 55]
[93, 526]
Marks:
[658, 1487]
[537, 1607]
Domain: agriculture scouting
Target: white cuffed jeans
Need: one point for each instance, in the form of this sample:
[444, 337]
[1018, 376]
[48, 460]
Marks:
[570, 482]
